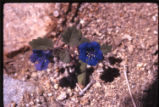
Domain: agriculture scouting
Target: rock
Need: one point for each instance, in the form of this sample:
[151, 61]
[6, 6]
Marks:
[12, 104]
[24, 22]
[155, 32]
[62, 96]
[131, 48]
[49, 94]
[56, 86]
[13, 89]
[56, 13]
[97, 84]
[127, 36]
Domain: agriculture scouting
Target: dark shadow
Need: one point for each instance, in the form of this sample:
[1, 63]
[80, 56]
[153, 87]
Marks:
[62, 70]
[76, 12]
[69, 81]
[19, 51]
[114, 60]
[88, 74]
[109, 74]
[150, 99]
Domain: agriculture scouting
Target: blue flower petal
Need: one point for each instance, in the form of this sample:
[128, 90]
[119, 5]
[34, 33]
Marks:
[42, 57]
[85, 48]
[33, 58]
[43, 65]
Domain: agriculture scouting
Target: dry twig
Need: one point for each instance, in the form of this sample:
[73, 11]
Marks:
[125, 74]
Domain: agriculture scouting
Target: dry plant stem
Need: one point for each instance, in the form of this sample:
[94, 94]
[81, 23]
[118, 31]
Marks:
[86, 88]
[78, 87]
[125, 74]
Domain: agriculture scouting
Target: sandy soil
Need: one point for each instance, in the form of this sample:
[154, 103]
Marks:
[131, 29]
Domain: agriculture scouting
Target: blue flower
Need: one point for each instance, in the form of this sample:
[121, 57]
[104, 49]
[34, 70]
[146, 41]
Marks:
[42, 57]
[90, 53]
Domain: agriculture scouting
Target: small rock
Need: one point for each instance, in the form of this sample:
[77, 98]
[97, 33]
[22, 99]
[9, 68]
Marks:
[37, 100]
[99, 70]
[48, 70]
[62, 96]
[12, 104]
[97, 84]
[27, 105]
[56, 13]
[58, 6]
[75, 100]
[88, 66]
[130, 48]
[31, 103]
[69, 92]
[127, 36]
[49, 94]
[100, 64]
[154, 18]
[155, 32]
[147, 29]
[82, 21]
[39, 91]
[56, 86]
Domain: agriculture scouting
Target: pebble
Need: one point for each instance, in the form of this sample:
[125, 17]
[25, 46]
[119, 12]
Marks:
[82, 21]
[147, 29]
[39, 91]
[88, 66]
[12, 104]
[155, 32]
[62, 96]
[48, 70]
[130, 48]
[154, 18]
[31, 103]
[56, 13]
[37, 100]
[74, 100]
[99, 70]
[127, 36]
[100, 64]
[49, 94]
[58, 6]
[27, 105]
[69, 92]
[97, 84]
[56, 86]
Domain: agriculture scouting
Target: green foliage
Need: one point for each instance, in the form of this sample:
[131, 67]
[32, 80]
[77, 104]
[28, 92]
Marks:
[106, 48]
[83, 66]
[64, 56]
[83, 40]
[41, 43]
[81, 78]
[72, 36]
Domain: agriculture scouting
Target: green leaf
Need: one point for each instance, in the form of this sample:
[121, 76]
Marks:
[64, 56]
[81, 78]
[72, 36]
[84, 40]
[83, 66]
[106, 48]
[67, 35]
[41, 43]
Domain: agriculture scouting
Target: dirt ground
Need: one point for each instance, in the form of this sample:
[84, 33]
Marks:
[131, 29]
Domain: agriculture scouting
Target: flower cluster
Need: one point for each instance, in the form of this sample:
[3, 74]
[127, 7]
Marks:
[90, 53]
[42, 57]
